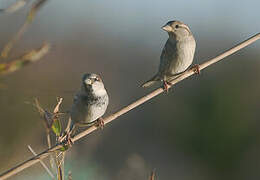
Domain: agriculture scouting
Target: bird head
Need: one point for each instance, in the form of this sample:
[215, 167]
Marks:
[177, 29]
[93, 83]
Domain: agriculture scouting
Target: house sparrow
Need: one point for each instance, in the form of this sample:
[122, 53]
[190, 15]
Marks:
[89, 104]
[177, 54]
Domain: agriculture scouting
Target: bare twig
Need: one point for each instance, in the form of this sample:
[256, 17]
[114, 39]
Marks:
[47, 123]
[42, 163]
[152, 175]
[57, 107]
[50, 120]
[28, 58]
[16, 37]
[52, 159]
[35, 8]
[126, 109]
[15, 6]
[70, 176]
[60, 156]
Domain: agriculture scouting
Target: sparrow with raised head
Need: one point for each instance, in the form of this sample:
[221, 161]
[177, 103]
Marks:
[177, 54]
[90, 103]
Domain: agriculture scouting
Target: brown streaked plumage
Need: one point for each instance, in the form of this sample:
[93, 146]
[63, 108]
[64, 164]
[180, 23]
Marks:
[177, 54]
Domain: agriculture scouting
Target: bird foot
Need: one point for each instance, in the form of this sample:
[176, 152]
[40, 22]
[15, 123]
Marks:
[67, 139]
[100, 123]
[165, 85]
[196, 68]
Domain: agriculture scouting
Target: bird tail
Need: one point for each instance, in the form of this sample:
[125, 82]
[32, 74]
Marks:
[150, 82]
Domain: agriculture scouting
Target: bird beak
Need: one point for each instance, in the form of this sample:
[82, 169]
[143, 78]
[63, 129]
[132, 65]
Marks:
[89, 81]
[167, 28]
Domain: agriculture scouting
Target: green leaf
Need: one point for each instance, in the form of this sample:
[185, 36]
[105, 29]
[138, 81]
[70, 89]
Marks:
[64, 147]
[56, 127]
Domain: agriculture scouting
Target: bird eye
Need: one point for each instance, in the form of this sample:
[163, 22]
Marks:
[97, 79]
[176, 26]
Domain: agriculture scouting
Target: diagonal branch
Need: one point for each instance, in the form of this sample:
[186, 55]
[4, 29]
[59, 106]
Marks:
[175, 81]
[126, 109]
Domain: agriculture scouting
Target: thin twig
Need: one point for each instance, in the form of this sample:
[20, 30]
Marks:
[34, 9]
[60, 165]
[24, 60]
[42, 163]
[70, 175]
[152, 175]
[15, 6]
[16, 37]
[126, 109]
[48, 136]
[57, 107]
[60, 156]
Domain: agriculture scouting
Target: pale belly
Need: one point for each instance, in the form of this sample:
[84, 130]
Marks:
[95, 112]
[183, 58]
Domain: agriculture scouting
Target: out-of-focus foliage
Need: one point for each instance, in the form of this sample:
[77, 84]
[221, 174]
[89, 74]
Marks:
[30, 57]
[206, 127]
[15, 6]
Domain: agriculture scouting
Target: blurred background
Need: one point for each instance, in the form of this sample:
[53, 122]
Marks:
[206, 127]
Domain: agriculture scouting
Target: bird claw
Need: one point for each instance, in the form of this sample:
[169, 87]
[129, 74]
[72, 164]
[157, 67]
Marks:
[196, 68]
[165, 85]
[67, 140]
[100, 123]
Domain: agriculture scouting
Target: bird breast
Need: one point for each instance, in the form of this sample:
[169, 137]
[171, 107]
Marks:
[97, 109]
[183, 56]
[87, 109]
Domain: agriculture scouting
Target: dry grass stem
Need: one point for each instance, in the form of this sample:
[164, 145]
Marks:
[50, 121]
[152, 175]
[35, 8]
[126, 109]
[26, 59]
[57, 107]
[15, 6]
[16, 37]
[70, 176]
[42, 163]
